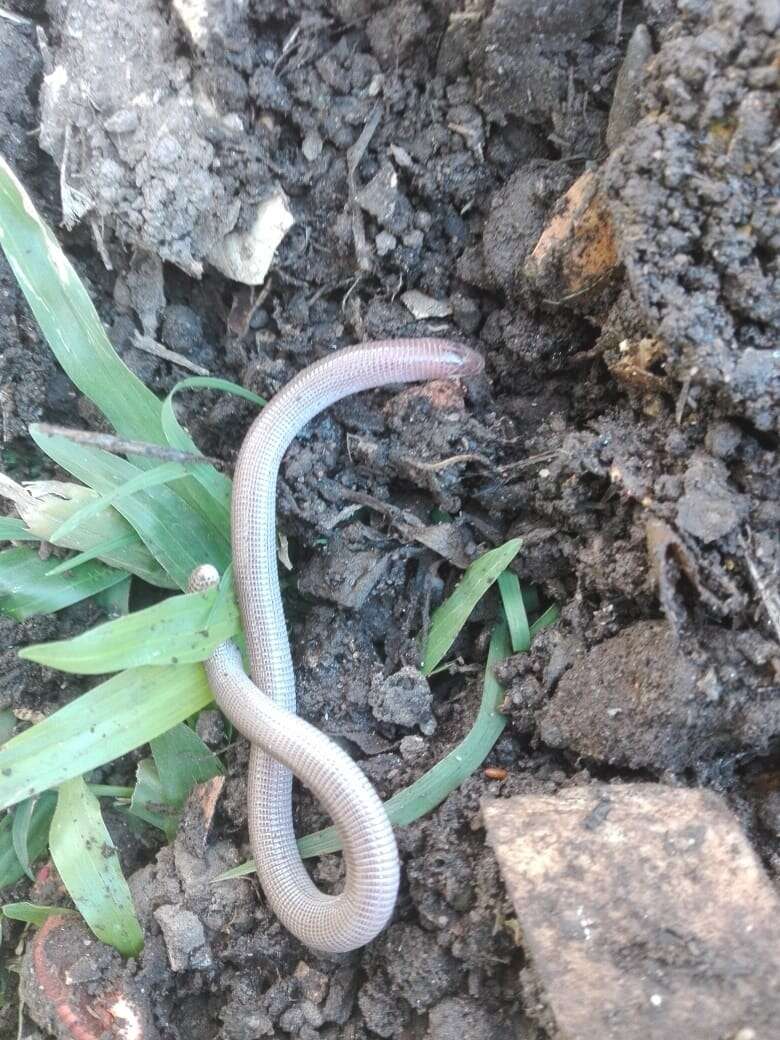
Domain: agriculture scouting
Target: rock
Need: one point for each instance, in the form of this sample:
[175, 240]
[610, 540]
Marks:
[311, 146]
[182, 329]
[209, 22]
[269, 92]
[313, 985]
[385, 243]
[245, 256]
[643, 910]
[382, 198]
[184, 938]
[723, 439]
[709, 509]
[576, 251]
[632, 701]
[404, 699]
[385, 1015]
[466, 313]
[412, 748]
[626, 108]
[423, 306]
[146, 289]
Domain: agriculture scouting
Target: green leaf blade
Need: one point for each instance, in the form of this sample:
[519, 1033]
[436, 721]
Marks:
[453, 614]
[20, 834]
[182, 761]
[148, 800]
[13, 530]
[50, 502]
[32, 913]
[515, 612]
[11, 870]
[182, 629]
[68, 318]
[176, 535]
[217, 486]
[27, 589]
[162, 474]
[105, 723]
[87, 861]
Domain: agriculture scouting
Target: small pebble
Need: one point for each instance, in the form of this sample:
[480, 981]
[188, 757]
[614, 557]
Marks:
[312, 146]
[412, 748]
[385, 243]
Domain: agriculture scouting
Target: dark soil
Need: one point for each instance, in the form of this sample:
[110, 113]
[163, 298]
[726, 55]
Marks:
[626, 427]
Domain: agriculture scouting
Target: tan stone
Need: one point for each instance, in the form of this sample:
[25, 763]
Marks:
[645, 913]
[576, 252]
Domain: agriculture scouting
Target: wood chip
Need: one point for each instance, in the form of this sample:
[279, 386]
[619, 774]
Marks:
[151, 346]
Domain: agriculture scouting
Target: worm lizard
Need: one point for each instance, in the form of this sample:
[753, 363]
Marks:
[262, 707]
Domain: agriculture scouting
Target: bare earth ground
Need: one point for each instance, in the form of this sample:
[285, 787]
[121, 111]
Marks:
[612, 251]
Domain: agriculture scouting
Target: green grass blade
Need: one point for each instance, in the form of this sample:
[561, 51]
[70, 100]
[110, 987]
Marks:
[181, 629]
[110, 791]
[162, 474]
[13, 530]
[148, 800]
[98, 552]
[31, 913]
[27, 589]
[177, 536]
[109, 720]
[216, 485]
[453, 614]
[514, 611]
[50, 502]
[20, 834]
[115, 602]
[68, 319]
[182, 760]
[11, 869]
[549, 617]
[87, 861]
